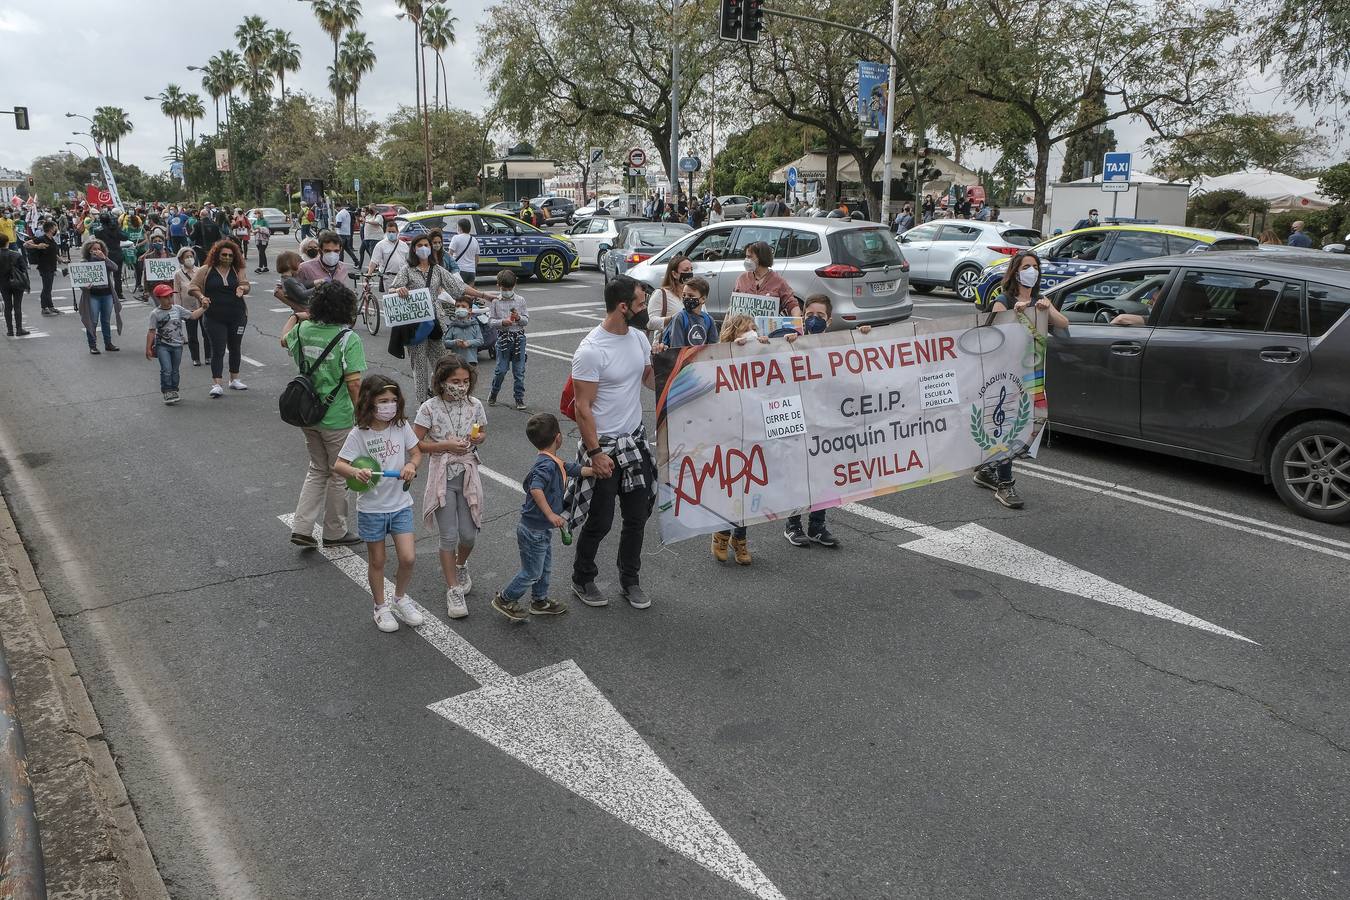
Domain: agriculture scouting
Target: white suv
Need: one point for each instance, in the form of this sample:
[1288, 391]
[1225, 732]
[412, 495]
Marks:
[953, 252]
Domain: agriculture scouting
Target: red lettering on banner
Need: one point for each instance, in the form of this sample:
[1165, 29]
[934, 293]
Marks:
[751, 374]
[860, 470]
[730, 467]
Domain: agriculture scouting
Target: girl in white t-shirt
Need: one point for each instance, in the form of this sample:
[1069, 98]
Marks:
[385, 508]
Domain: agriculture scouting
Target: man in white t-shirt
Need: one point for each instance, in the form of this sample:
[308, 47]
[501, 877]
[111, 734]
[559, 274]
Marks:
[464, 250]
[390, 255]
[342, 222]
[609, 370]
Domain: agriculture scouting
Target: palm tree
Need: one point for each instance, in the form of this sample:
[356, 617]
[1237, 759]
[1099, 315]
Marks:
[356, 59]
[192, 110]
[101, 129]
[438, 33]
[122, 127]
[258, 83]
[232, 73]
[335, 17]
[215, 82]
[285, 57]
[255, 41]
[171, 104]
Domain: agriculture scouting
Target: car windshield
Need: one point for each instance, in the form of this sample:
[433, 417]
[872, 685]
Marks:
[866, 248]
[1020, 237]
[653, 235]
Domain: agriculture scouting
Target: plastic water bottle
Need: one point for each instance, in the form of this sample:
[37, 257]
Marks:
[566, 537]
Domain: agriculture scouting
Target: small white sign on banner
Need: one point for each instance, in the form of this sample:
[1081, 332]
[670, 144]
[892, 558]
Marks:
[752, 305]
[767, 325]
[783, 418]
[416, 307]
[939, 389]
[157, 269]
[88, 274]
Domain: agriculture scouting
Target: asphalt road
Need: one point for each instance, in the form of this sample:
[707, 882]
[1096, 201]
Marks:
[867, 722]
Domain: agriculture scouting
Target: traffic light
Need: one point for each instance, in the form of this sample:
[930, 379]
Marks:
[731, 19]
[21, 118]
[752, 22]
[30, 180]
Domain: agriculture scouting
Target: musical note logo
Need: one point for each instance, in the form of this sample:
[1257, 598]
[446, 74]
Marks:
[1000, 417]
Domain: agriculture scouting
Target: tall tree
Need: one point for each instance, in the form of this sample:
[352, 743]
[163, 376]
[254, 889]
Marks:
[1308, 41]
[438, 33]
[171, 104]
[1083, 151]
[356, 59]
[1238, 140]
[335, 17]
[230, 68]
[255, 42]
[192, 110]
[283, 57]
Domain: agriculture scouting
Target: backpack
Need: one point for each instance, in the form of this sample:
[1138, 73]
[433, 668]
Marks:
[567, 404]
[18, 273]
[300, 404]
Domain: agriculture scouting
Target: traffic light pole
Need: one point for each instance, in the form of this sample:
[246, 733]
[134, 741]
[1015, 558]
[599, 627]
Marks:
[899, 65]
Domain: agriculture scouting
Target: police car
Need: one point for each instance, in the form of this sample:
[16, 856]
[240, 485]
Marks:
[1068, 255]
[504, 242]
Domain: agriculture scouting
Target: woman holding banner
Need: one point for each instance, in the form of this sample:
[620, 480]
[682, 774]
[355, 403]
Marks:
[760, 279]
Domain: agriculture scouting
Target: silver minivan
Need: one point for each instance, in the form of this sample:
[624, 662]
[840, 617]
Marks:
[857, 264]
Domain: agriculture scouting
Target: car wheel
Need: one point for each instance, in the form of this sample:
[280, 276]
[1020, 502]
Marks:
[920, 288]
[965, 281]
[1310, 468]
[550, 266]
[600, 262]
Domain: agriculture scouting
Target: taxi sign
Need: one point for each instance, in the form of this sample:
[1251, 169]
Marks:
[1116, 172]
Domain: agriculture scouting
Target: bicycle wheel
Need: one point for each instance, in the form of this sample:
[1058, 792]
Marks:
[370, 314]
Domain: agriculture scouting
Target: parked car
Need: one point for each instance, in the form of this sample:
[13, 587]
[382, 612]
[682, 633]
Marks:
[461, 206]
[617, 205]
[504, 206]
[735, 206]
[1087, 249]
[595, 234]
[953, 252]
[391, 209]
[857, 264]
[1236, 359]
[555, 209]
[277, 221]
[504, 242]
[638, 241]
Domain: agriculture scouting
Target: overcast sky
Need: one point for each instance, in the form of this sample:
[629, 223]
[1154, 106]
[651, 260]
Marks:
[116, 53]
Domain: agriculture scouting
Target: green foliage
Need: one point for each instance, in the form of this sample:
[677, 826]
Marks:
[1226, 210]
[1324, 226]
[750, 156]
[1234, 141]
[1309, 42]
[1335, 183]
[1086, 148]
[458, 149]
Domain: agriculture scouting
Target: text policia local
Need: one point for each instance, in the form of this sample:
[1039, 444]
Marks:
[757, 373]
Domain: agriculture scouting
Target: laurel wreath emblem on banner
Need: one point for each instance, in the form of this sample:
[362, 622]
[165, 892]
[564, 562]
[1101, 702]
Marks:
[986, 441]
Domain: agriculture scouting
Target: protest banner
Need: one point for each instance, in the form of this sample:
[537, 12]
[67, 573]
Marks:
[752, 305]
[160, 269]
[757, 432]
[88, 274]
[416, 307]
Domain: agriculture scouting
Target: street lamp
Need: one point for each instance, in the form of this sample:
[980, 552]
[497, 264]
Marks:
[80, 145]
[78, 116]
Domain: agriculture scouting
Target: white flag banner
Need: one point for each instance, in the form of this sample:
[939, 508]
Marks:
[757, 432]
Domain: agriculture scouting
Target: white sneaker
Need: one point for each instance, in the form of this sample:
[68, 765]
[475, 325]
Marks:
[237, 385]
[406, 611]
[384, 617]
[217, 391]
[463, 580]
[455, 607]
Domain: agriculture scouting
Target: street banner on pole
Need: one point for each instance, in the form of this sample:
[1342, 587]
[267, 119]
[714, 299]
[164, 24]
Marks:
[757, 432]
[416, 307]
[872, 79]
[222, 159]
[109, 180]
[88, 274]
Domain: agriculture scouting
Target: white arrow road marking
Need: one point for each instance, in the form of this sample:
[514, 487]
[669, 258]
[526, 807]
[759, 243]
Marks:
[979, 548]
[557, 722]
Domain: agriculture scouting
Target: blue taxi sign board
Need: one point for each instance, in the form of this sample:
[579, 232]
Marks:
[1116, 172]
[792, 178]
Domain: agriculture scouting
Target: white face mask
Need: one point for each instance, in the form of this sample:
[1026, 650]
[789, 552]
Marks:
[508, 296]
[1029, 276]
[390, 236]
[423, 252]
[331, 259]
[385, 412]
[750, 264]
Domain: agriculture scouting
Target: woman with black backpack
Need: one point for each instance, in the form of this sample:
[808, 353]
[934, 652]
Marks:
[13, 285]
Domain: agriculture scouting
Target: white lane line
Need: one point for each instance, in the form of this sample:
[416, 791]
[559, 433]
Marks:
[502, 479]
[535, 309]
[38, 334]
[552, 354]
[280, 309]
[544, 334]
[253, 362]
[1266, 530]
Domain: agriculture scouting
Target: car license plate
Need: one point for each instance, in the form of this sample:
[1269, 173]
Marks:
[884, 287]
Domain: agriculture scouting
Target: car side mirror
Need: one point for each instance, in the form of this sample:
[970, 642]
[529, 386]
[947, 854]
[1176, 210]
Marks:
[604, 248]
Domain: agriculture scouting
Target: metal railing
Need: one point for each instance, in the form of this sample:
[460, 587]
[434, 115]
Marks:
[22, 876]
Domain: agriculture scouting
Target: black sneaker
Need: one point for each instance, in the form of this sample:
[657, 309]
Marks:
[22, 332]
[1008, 496]
[823, 538]
[492, 401]
[347, 540]
[985, 478]
[546, 607]
[303, 540]
[636, 599]
[520, 404]
[94, 350]
[509, 608]
[589, 594]
[796, 537]
[111, 348]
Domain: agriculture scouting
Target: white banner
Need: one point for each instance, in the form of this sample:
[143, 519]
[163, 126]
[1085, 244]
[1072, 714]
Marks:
[157, 269]
[109, 180]
[88, 274]
[757, 432]
[416, 307]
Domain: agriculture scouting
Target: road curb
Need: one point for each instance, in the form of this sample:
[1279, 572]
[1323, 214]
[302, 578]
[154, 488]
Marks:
[92, 842]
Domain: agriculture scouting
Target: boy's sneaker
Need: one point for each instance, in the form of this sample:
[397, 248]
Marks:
[384, 617]
[173, 397]
[95, 351]
[455, 607]
[492, 400]
[217, 392]
[509, 608]
[985, 479]
[237, 385]
[589, 594]
[463, 580]
[167, 397]
[545, 607]
[520, 404]
[636, 599]
[1008, 496]
[796, 537]
[406, 611]
[823, 538]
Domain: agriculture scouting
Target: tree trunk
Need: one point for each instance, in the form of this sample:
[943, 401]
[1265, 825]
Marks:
[216, 102]
[281, 76]
[1042, 178]
[337, 82]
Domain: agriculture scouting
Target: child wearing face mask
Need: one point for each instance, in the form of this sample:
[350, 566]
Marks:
[691, 326]
[385, 508]
[182, 282]
[451, 426]
[508, 314]
[464, 336]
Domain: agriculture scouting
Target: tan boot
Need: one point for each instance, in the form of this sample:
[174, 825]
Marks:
[719, 547]
[742, 551]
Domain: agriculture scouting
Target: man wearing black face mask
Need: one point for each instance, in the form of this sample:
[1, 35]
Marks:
[609, 370]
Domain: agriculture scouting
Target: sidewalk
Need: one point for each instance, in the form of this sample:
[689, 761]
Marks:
[92, 843]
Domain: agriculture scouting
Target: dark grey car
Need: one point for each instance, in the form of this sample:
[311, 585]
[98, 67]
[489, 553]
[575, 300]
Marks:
[1238, 359]
[637, 242]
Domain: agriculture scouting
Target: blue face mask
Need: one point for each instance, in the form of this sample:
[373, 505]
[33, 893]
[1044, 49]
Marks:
[390, 236]
[815, 324]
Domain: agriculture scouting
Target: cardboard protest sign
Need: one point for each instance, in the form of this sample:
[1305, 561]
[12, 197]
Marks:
[88, 274]
[160, 269]
[416, 307]
[752, 305]
[757, 432]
